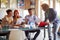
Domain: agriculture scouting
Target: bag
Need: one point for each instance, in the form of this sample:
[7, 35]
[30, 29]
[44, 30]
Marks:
[42, 24]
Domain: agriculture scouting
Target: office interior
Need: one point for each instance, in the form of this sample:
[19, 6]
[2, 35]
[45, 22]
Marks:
[22, 6]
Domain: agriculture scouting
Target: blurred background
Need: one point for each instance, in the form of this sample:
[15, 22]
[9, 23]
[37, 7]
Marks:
[23, 5]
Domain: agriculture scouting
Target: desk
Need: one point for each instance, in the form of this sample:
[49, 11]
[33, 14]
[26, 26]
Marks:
[25, 29]
[5, 33]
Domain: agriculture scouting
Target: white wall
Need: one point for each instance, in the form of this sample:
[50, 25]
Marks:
[40, 12]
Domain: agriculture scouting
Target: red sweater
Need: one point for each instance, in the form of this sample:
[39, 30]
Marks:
[42, 24]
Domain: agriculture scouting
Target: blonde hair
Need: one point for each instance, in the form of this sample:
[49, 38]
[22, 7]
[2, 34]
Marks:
[45, 6]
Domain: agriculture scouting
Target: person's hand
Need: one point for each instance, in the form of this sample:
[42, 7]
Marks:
[36, 23]
[0, 26]
[16, 26]
[23, 26]
[47, 21]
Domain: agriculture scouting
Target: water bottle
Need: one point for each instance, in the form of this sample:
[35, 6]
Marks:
[30, 25]
[5, 26]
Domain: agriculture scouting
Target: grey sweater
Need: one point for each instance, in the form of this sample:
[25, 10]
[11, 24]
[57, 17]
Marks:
[51, 14]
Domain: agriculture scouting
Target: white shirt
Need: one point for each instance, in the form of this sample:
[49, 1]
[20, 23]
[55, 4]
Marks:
[19, 21]
[32, 18]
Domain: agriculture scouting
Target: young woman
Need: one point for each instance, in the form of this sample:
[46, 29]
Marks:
[17, 19]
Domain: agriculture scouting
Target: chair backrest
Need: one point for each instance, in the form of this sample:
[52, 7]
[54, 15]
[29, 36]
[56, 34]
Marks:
[0, 21]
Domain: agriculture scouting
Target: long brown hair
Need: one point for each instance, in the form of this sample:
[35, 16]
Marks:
[15, 12]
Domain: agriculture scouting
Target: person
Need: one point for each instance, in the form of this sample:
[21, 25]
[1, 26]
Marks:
[31, 18]
[58, 31]
[6, 23]
[17, 20]
[7, 20]
[51, 15]
[0, 23]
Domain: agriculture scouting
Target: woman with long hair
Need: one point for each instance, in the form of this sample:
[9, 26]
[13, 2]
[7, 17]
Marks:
[17, 19]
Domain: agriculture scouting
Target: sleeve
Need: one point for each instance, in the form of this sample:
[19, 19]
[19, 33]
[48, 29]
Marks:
[12, 18]
[46, 17]
[50, 14]
[37, 19]
[19, 21]
[54, 14]
[27, 17]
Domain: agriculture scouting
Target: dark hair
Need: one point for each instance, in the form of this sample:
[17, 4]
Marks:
[29, 9]
[9, 10]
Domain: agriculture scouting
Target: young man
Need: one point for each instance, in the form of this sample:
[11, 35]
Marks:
[8, 18]
[6, 22]
[32, 18]
[51, 15]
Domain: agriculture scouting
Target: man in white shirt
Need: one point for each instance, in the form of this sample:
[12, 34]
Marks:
[32, 18]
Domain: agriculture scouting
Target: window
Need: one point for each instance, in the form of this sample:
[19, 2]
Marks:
[13, 4]
[4, 3]
[40, 11]
[57, 8]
